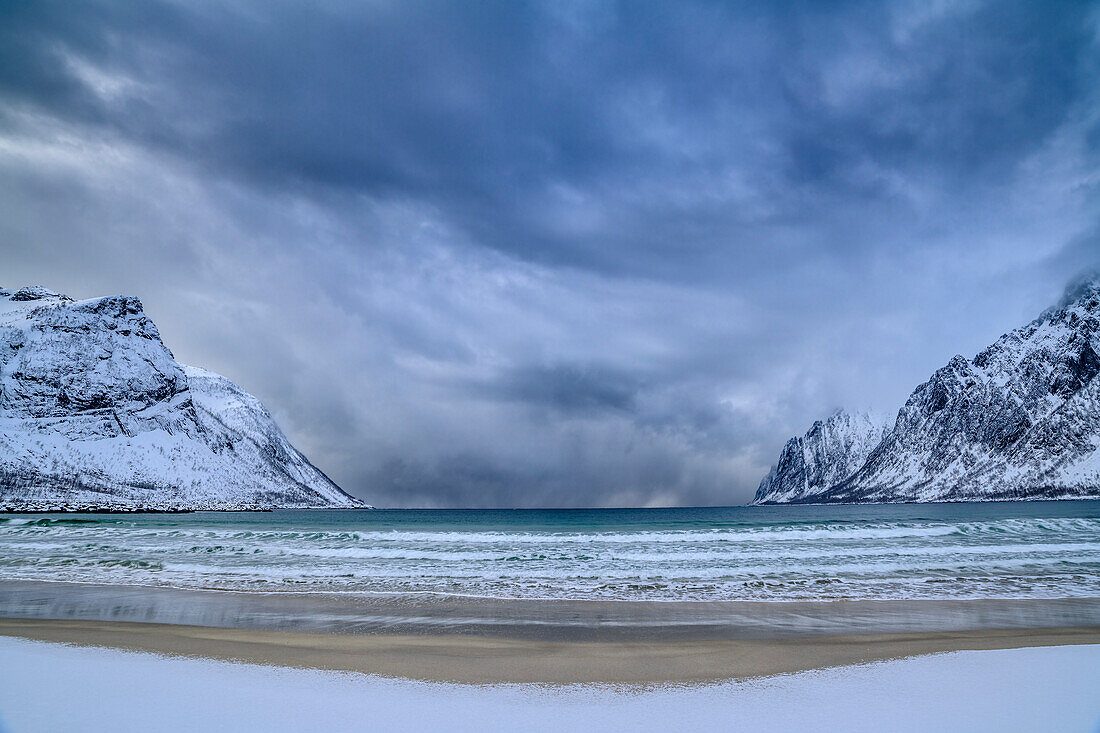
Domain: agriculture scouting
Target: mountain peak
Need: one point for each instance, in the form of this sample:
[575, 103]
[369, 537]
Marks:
[1083, 291]
[829, 451]
[1019, 421]
[33, 292]
[98, 414]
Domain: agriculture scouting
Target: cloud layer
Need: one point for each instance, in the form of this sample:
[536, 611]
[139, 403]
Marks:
[585, 253]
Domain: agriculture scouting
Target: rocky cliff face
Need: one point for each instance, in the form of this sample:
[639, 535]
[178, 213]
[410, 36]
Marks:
[1021, 420]
[95, 413]
[829, 452]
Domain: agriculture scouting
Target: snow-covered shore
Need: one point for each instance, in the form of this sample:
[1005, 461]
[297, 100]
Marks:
[53, 687]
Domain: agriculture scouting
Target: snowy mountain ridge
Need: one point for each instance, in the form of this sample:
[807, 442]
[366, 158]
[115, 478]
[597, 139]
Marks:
[95, 413]
[1021, 420]
[829, 452]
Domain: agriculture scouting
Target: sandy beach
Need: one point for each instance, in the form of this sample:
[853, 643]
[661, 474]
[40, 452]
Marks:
[471, 659]
[477, 640]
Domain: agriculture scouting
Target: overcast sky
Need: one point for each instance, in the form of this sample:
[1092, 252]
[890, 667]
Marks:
[560, 254]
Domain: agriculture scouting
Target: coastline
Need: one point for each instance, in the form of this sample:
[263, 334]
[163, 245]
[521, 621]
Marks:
[481, 660]
[484, 641]
[545, 620]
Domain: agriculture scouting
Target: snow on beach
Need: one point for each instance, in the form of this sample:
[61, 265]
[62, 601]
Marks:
[53, 687]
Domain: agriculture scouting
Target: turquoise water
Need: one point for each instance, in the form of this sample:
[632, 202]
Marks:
[1001, 550]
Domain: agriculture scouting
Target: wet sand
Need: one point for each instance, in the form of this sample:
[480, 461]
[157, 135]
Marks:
[473, 659]
[535, 620]
[478, 640]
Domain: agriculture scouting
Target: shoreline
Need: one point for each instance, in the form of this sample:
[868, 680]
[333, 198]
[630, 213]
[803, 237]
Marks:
[481, 660]
[533, 620]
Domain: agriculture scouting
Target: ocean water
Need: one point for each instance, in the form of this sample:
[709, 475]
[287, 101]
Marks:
[798, 553]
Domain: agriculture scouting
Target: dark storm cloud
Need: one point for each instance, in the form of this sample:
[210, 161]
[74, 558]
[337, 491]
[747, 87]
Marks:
[555, 253]
[515, 118]
[568, 388]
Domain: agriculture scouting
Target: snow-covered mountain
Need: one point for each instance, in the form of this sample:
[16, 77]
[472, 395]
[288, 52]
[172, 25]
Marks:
[95, 413]
[1021, 420]
[829, 452]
